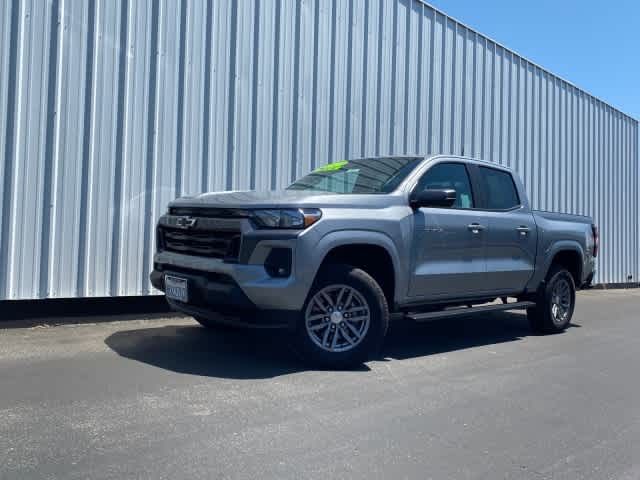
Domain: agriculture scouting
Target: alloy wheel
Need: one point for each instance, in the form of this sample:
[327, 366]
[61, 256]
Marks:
[560, 301]
[337, 318]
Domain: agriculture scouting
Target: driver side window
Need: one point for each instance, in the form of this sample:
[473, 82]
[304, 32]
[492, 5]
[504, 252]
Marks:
[449, 175]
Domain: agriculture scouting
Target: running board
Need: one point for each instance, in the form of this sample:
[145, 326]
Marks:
[458, 312]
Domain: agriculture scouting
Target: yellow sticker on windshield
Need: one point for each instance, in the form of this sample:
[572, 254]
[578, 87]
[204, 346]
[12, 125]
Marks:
[331, 167]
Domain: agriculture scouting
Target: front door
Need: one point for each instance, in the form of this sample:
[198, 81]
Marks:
[448, 243]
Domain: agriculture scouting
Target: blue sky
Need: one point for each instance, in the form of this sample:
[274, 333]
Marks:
[593, 44]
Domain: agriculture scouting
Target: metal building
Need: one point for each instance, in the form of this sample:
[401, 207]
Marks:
[111, 108]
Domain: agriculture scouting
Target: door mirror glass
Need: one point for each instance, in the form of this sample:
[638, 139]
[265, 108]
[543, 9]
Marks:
[444, 197]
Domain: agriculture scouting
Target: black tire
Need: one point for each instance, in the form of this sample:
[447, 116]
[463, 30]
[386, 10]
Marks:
[542, 318]
[372, 338]
[213, 324]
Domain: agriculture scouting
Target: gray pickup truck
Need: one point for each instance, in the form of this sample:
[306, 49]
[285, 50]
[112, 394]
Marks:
[342, 250]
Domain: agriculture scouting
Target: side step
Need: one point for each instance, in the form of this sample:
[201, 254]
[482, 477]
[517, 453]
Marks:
[461, 311]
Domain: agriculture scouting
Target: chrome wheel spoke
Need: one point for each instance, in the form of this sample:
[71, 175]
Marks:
[361, 308]
[348, 338]
[326, 336]
[319, 326]
[320, 304]
[327, 298]
[336, 332]
[353, 330]
[340, 295]
[349, 299]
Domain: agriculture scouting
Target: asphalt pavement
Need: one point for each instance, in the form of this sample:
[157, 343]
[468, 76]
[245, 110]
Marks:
[478, 397]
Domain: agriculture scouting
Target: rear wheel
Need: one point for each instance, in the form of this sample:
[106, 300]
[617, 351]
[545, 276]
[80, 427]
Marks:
[555, 302]
[344, 319]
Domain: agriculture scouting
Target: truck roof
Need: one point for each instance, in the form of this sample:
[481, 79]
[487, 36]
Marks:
[440, 155]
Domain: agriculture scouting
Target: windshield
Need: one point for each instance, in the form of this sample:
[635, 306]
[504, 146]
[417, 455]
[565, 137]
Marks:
[367, 175]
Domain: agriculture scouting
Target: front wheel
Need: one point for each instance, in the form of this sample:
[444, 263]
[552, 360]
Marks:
[344, 319]
[555, 303]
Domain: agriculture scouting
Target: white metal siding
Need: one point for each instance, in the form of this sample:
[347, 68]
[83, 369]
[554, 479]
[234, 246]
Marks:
[111, 108]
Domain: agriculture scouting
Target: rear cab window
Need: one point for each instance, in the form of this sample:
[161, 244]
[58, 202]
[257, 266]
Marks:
[500, 189]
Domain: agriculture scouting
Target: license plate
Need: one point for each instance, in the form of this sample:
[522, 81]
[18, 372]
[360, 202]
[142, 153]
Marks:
[175, 288]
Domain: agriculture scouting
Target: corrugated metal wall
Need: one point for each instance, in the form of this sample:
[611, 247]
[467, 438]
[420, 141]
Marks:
[111, 108]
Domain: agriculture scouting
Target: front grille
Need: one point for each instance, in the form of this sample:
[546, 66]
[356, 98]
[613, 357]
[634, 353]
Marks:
[202, 243]
[210, 212]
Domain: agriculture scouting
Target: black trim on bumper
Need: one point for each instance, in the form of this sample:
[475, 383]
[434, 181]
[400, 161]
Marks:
[251, 239]
[259, 319]
[207, 289]
[218, 296]
[588, 281]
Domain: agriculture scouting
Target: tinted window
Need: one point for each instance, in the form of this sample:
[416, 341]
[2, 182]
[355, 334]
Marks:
[368, 175]
[501, 191]
[449, 175]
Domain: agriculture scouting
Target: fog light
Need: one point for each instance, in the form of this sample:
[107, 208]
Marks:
[278, 262]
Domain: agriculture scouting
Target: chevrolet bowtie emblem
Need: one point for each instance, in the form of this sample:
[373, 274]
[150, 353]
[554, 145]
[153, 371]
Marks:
[186, 222]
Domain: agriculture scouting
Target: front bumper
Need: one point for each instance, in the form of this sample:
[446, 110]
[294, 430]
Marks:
[247, 285]
[219, 297]
[263, 290]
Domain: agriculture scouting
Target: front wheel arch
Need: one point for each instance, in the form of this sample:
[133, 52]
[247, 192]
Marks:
[333, 248]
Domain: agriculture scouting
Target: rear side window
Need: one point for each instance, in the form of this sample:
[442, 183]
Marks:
[500, 189]
[449, 175]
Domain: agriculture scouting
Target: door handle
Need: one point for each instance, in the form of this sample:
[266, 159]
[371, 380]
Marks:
[475, 227]
[523, 230]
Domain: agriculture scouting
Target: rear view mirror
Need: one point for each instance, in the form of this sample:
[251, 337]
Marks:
[445, 197]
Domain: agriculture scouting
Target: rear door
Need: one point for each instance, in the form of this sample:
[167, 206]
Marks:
[511, 235]
[448, 244]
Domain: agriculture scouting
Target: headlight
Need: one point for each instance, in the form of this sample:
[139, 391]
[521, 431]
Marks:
[293, 218]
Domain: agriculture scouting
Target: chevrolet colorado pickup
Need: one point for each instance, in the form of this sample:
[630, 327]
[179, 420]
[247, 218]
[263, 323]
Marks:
[354, 243]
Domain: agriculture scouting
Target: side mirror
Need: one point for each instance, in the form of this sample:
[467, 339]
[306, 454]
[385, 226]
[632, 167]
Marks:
[445, 197]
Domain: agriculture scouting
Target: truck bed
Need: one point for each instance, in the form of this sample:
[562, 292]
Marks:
[565, 217]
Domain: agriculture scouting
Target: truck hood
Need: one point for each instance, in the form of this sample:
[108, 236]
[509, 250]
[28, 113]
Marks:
[288, 198]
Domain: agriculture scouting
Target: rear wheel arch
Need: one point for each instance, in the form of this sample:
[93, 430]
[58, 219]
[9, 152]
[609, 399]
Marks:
[569, 258]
